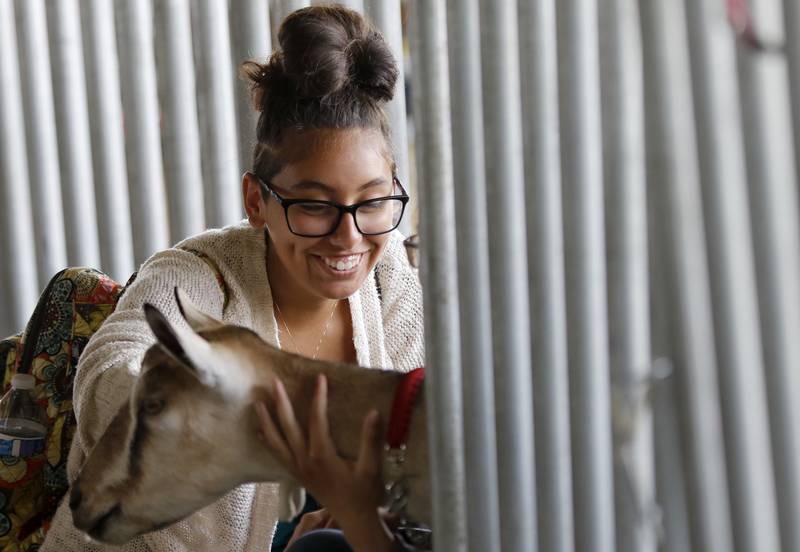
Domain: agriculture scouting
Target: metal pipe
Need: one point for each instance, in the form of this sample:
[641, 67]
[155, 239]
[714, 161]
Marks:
[108, 140]
[733, 281]
[285, 7]
[143, 140]
[791, 17]
[542, 153]
[670, 476]
[223, 203]
[357, 5]
[19, 285]
[438, 271]
[672, 510]
[42, 144]
[587, 320]
[627, 262]
[181, 135]
[480, 463]
[502, 113]
[386, 15]
[772, 175]
[674, 181]
[74, 142]
[251, 41]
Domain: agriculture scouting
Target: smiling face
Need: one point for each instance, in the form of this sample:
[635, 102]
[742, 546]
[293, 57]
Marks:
[344, 166]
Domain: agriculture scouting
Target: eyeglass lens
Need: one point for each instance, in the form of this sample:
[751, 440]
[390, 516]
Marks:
[319, 219]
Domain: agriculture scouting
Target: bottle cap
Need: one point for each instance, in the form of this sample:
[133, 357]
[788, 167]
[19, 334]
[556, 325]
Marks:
[23, 381]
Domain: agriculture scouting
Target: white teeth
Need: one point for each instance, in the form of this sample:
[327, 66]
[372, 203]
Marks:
[342, 264]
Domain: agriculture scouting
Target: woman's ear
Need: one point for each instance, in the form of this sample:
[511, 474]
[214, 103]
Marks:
[253, 200]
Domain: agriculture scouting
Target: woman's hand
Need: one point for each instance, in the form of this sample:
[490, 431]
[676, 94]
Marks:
[318, 519]
[351, 492]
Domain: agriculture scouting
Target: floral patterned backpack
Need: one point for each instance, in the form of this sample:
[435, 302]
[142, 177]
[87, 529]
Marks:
[72, 307]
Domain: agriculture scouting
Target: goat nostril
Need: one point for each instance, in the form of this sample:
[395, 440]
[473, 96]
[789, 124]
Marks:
[75, 498]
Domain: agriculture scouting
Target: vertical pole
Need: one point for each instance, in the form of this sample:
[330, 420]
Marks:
[184, 172]
[74, 142]
[251, 41]
[108, 140]
[733, 281]
[539, 74]
[628, 291]
[674, 179]
[42, 144]
[438, 263]
[773, 182]
[357, 5]
[222, 182]
[791, 17]
[288, 6]
[386, 15]
[502, 113]
[143, 138]
[483, 531]
[18, 269]
[581, 141]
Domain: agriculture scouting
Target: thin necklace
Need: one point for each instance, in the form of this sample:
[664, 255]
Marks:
[321, 338]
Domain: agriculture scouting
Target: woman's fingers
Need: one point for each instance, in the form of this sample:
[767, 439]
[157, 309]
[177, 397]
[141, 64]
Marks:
[320, 444]
[271, 434]
[369, 454]
[288, 422]
[317, 519]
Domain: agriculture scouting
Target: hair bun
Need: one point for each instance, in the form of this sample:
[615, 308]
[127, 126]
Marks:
[326, 49]
[372, 66]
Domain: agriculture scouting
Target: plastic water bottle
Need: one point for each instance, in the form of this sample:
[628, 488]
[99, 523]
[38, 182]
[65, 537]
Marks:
[23, 422]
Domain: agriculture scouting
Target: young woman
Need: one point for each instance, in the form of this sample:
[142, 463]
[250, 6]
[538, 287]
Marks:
[317, 269]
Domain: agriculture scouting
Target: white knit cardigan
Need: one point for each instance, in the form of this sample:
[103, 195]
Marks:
[387, 333]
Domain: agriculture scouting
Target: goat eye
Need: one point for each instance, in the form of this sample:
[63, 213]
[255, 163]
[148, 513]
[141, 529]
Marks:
[152, 406]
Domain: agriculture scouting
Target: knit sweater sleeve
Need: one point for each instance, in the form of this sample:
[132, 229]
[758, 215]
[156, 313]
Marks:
[111, 361]
[401, 307]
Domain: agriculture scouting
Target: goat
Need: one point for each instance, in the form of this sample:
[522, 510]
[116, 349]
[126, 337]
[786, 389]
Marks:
[188, 433]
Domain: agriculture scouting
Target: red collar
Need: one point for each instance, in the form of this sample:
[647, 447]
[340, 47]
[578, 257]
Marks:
[404, 398]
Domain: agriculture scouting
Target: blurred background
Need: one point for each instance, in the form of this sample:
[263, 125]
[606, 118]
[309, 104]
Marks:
[607, 197]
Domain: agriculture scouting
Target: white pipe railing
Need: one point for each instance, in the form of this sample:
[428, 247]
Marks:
[480, 468]
[545, 237]
[74, 141]
[791, 33]
[733, 283]
[674, 178]
[108, 139]
[223, 203]
[251, 40]
[143, 137]
[42, 144]
[510, 323]
[582, 166]
[773, 187]
[18, 270]
[181, 129]
[628, 285]
[438, 272]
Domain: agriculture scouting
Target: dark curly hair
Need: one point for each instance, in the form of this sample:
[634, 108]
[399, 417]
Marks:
[332, 70]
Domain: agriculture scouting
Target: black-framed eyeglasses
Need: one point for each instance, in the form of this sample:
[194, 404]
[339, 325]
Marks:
[316, 218]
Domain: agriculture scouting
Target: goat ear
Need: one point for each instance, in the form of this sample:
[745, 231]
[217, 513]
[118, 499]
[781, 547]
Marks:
[163, 331]
[184, 345]
[291, 498]
[197, 319]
